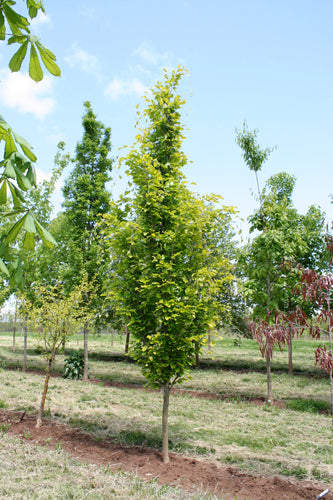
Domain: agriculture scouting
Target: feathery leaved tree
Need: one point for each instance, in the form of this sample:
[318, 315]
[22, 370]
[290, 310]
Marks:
[283, 236]
[55, 316]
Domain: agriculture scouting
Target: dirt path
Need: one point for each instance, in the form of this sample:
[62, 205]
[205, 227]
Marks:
[189, 474]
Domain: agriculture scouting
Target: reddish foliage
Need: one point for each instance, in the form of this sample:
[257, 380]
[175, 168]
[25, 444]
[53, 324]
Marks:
[268, 335]
[324, 359]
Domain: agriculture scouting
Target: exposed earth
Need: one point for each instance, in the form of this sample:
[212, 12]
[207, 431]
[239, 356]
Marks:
[186, 473]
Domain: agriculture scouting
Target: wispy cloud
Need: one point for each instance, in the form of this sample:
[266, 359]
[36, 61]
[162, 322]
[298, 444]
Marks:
[148, 54]
[88, 12]
[40, 20]
[79, 58]
[118, 88]
[17, 90]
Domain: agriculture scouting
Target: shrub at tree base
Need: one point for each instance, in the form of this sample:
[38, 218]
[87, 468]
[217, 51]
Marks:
[74, 366]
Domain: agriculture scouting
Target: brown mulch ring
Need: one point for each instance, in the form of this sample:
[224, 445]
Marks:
[186, 473]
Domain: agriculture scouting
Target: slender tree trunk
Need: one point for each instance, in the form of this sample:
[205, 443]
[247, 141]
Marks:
[290, 353]
[85, 352]
[112, 332]
[165, 439]
[46, 386]
[14, 328]
[330, 347]
[197, 361]
[209, 342]
[127, 333]
[269, 379]
[25, 332]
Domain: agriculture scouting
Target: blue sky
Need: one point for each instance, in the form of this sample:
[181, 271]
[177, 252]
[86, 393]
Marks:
[267, 62]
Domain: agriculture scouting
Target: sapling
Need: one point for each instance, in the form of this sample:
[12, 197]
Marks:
[55, 317]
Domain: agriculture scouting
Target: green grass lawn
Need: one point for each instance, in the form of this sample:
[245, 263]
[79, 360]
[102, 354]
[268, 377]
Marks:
[295, 441]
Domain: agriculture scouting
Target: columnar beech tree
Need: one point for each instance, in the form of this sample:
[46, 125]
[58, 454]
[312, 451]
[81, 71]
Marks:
[86, 201]
[166, 271]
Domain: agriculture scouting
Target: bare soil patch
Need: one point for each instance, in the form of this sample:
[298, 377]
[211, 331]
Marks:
[189, 474]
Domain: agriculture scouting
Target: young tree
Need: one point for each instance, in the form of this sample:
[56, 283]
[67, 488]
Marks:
[55, 317]
[86, 200]
[282, 235]
[165, 271]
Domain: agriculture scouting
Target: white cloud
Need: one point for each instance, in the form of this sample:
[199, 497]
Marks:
[82, 59]
[40, 20]
[118, 88]
[18, 90]
[149, 55]
[54, 139]
[88, 12]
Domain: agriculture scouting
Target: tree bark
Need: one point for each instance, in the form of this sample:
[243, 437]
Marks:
[25, 331]
[269, 379]
[330, 328]
[197, 360]
[290, 353]
[85, 352]
[165, 439]
[209, 343]
[127, 333]
[46, 386]
[14, 328]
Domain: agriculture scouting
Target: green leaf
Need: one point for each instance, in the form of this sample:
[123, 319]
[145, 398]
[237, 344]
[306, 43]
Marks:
[17, 39]
[17, 196]
[22, 181]
[17, 277]
[31, 175]
[32, 12]
[14, 231]
[9, 170]
[29, 224]
[35, 70]
[25, 146]
[3, 193]
[29, 241]
[16, 61]
[46, 237]
[49, 53]
[15, 20]
[49, 63]
[4, 269]
[10, 144]
[2, 26]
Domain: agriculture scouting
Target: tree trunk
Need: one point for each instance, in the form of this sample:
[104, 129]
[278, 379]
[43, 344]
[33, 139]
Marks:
[46, 386]
[25, 330]
[14, 328]
[165, 440]
[209, 343]
[290, 353]
[330, 350]
[85, 351]
[197, 360]
[127, 333]
[269, 379]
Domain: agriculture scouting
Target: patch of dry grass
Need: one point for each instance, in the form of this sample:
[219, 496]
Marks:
[258, 438]
[34, 472]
